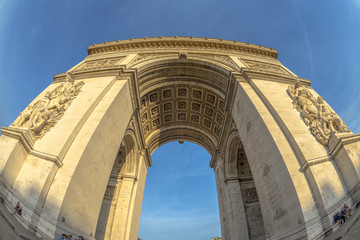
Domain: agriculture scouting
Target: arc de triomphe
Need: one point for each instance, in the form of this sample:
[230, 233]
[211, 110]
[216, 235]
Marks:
[76, 158]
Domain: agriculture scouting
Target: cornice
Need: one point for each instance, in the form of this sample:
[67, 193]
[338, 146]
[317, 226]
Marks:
[182, 43]
[27, 139]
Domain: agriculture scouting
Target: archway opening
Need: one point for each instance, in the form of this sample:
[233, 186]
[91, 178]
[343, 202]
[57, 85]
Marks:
[180, 198]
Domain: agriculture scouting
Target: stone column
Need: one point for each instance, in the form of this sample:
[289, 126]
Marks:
[238, 222]
[138, 197]
[121, 223]
[128, 200]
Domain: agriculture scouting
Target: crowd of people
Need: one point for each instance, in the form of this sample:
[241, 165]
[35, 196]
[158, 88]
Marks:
[345, 213]
[69, 237]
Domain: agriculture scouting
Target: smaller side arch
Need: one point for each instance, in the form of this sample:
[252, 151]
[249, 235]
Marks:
[117, 218]
[241, 200]
[231, 155]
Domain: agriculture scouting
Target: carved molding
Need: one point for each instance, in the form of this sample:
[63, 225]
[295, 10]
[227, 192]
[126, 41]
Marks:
[27, 139]
[169, 43]
[323, 122]
[339, 140]
[146, 56]
[265, 67]
[215, 57]
[99, 64]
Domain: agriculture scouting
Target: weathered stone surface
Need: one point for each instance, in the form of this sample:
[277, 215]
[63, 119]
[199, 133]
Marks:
[81, 168]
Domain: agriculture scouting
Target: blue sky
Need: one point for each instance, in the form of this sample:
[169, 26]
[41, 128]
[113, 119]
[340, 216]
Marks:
[180, 199]
[317, 40]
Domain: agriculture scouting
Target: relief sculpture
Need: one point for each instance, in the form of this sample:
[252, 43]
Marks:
[44, 113]
[321, 119]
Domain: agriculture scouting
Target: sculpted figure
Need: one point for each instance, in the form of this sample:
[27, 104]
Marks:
[40, 121]
[320, 118]
[23, 117]
[44, 114]
[38, 108]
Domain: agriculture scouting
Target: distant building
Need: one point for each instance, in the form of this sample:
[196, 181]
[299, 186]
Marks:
[215, 238]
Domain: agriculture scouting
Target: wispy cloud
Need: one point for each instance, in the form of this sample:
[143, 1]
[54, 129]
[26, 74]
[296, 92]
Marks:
[305, 35]
[356, 3]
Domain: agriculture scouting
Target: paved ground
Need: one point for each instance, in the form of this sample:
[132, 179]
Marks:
[354, 231]
[10, 228]
[6, 231]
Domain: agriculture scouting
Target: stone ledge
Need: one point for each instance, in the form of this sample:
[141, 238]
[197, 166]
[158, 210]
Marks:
[27, 139]
[24, 135]
[339, 140]
[315, 161]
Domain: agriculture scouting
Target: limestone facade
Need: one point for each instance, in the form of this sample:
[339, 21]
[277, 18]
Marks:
[282, 167]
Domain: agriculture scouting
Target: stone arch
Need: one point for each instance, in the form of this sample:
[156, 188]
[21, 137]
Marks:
[164, 89]
[181, 107]
[231, 165]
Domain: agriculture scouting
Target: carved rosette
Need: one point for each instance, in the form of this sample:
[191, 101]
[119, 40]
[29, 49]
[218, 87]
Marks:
[41, 116]
[321, 119]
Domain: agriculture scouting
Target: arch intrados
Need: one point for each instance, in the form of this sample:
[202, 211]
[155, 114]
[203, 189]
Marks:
[210, 73]
[187, 139]
[152, 63]
[164, 82]
[191, 134]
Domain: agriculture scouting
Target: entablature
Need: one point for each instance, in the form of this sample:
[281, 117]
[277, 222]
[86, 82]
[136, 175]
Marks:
[184, 43]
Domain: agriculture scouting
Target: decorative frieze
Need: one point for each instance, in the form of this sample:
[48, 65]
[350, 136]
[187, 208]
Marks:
[98, 64]
[147, 56]
[265, 67]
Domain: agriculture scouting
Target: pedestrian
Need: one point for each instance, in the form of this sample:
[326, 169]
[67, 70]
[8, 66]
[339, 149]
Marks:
[17, 209]
[63, 237]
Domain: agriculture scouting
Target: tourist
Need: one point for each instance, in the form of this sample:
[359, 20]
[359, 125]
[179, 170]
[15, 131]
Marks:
[81, 238]
[69, 237]
[63, 237]
[339, 218]
[17, 209]
[343, 214]
[348, 210]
